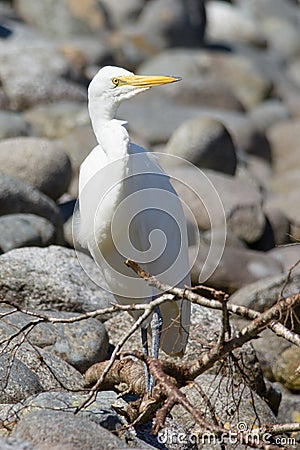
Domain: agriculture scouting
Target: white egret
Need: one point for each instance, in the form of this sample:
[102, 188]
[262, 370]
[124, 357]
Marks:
[129, 209]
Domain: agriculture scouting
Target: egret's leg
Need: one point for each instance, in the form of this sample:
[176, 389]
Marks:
[146, 352]
[156, 327]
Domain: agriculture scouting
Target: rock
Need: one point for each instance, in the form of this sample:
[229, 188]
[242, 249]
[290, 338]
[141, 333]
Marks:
[214, 198]
[15, 444]
[285, 367]
[286, 203]
[284, 139]
[236, 268]
[264, 293]
[78, 143]
[12, 124]
[101, 411]
[259, 170]
[53, 373]
[289, 406]
[206, 143]
[293, 72]
[52, 278]
[17, 380]
[228, 23]
[34, 80]
[122, 13]
[163, 24]
[52, 168]
[288, 256]
[24, 230]
[17, 196]
[222, 393]
[268, 113]
[57, 119]
[279, 224]
[57, 430]
[62, 18]
[80, 344]
[239, 74]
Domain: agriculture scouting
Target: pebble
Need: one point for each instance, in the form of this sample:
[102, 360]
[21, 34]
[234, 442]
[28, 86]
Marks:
[53, 373]
[288, 256]
[264, 293]
[57, 430]
[284, 139]
[227, 23]
[238, 73]
[55, 120]
[20, 383]
[80, 344]
[52, 168]
[24, 230]
[237, 267]
[206, 143]
[52, 278]
[13, 124]
[66, 18]
[16, 196]
[15, 444]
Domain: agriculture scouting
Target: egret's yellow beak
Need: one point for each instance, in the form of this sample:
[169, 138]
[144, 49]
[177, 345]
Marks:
[146, 81]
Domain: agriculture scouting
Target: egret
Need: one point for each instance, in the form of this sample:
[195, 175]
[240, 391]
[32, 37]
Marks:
[129, 209]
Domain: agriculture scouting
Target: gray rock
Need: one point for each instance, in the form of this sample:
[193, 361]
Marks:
[223, 393]
[38, 79]
[237, 73]
[57, 430]
[236, 268]
[269, 112]
[52, 278]
[122, 13]
[280, 224]
[53, 373]
[17, 380]
[17, 196]
[62, 18]
[293, 72]
[289, 406]
[57, 119]
[214, 198]
[287, 204]
[78, 143]
[12, 124]
[52, 168]
[24, 230]
[15, 444]
[100, 411]
[162, 24]
[206, 143]
[264, 293]
[230, 24]
[80, 344]
[288, 256]
[284, 141]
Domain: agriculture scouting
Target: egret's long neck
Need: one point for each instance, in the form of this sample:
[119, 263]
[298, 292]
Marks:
[110, 132]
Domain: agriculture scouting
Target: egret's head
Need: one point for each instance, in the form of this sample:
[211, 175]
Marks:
[112, 84]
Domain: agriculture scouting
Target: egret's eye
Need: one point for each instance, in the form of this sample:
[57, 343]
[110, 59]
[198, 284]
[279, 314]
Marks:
[116, 81]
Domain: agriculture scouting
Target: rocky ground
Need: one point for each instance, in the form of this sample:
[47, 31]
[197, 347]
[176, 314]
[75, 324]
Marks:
[234, 119]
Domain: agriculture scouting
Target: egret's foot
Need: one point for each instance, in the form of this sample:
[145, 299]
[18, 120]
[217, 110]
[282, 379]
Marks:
[156, 327]
[146, 352]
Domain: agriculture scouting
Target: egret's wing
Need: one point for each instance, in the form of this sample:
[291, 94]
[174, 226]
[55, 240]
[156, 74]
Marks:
[161, 226]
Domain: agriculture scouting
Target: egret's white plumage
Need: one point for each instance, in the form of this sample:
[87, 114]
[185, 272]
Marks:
[129, 209]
